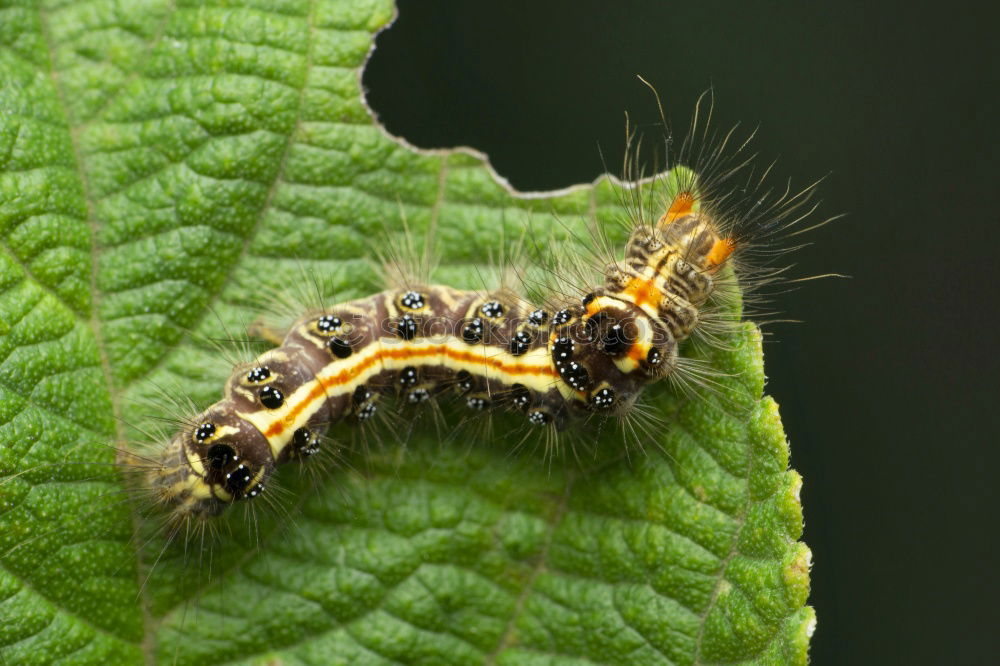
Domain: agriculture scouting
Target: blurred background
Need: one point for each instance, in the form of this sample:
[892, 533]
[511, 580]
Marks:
[888, 389]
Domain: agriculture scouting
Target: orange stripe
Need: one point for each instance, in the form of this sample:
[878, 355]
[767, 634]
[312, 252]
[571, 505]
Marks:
[638, 352]
[349, 373]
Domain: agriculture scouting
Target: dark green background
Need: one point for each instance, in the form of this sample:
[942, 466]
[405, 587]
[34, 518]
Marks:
[888, 389]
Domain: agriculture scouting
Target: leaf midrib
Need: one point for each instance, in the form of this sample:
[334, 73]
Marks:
[94, 321]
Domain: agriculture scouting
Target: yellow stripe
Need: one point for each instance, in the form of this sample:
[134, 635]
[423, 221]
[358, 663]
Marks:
[533, 369]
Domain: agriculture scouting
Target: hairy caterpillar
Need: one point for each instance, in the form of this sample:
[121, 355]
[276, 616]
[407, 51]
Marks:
[565, 360]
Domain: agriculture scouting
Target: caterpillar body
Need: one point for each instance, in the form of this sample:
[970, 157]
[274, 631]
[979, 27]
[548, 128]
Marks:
[555, 363]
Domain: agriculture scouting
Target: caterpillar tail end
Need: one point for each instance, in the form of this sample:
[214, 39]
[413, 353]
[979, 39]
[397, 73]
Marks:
[721, 250]
[686, 204]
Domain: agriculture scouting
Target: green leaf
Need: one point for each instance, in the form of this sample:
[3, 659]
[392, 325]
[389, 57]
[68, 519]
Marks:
[162, 165]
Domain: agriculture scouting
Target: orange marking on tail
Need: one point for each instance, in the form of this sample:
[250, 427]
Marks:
[681, 206]
[720, 251]
[352, 371]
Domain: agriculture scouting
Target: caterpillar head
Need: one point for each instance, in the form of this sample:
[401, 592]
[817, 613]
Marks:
[218, 460]
[623, 335]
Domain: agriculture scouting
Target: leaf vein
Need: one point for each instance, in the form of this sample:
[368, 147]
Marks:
[509, 633]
